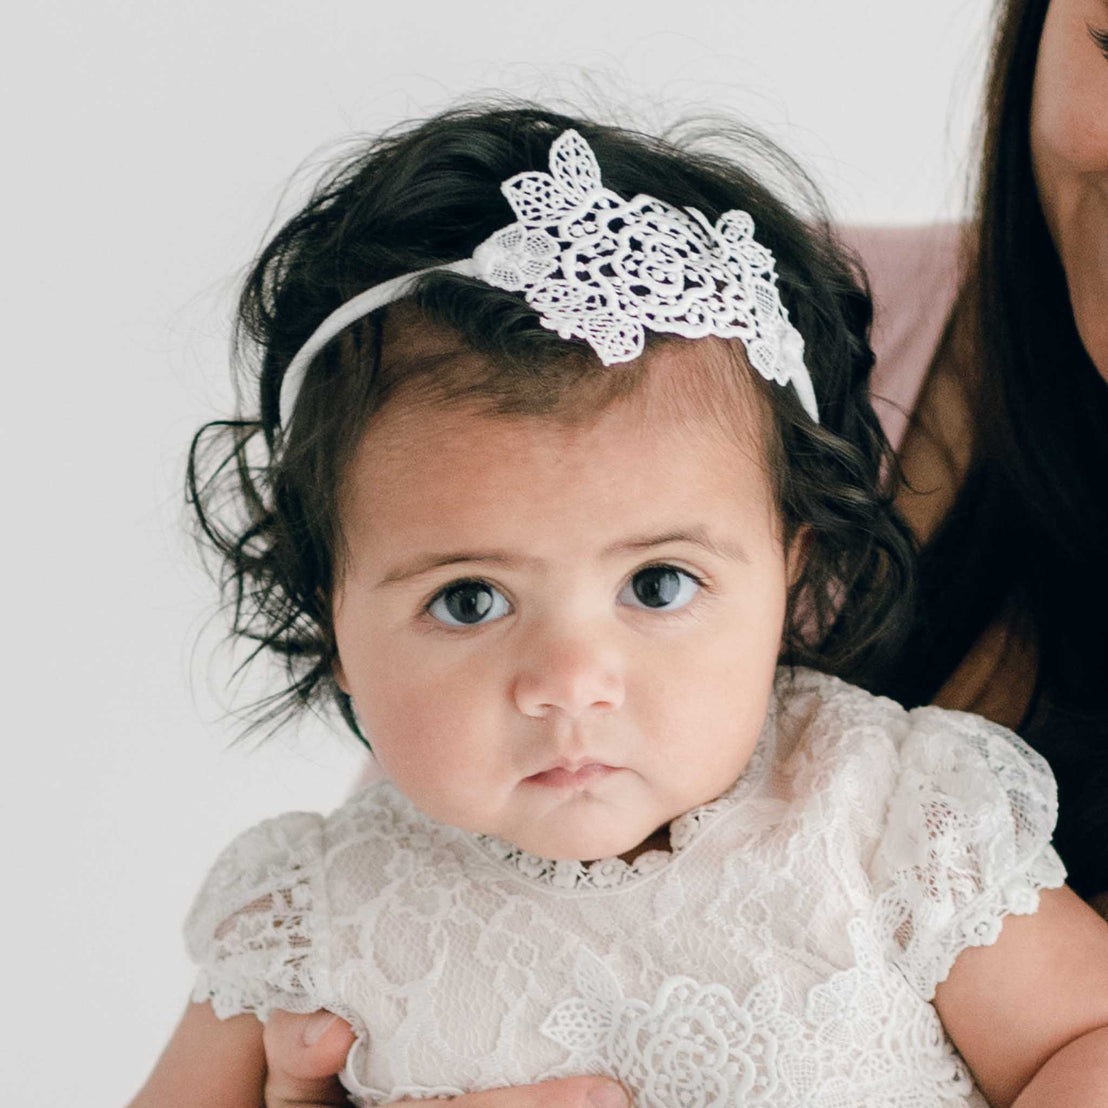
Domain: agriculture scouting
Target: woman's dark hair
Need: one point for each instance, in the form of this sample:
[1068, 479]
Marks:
[266, 498]
[1026, 542]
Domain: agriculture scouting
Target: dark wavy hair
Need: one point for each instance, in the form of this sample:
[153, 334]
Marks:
[265, 498]
[1026, 541]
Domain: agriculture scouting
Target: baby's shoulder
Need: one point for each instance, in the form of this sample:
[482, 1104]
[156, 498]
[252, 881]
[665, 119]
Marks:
[377, 811]
[823, 718]
[947, 816]
[278, 854]
[375, 819]
[855, 748]
[825, 729]
[260, 929]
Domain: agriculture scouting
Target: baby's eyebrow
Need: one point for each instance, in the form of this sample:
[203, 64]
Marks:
[698, 535]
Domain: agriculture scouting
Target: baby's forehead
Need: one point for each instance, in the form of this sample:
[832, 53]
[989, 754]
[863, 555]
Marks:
[686, 431]
[708, 383]
[705, 383]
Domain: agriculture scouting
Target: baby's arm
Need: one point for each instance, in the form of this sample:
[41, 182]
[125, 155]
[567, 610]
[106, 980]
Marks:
[1030, 1013]
[208, 1063]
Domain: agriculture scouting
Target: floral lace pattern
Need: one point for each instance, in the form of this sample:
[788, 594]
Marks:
[603, 269]
[698, 1045]
[782, 955]
[693, 1044]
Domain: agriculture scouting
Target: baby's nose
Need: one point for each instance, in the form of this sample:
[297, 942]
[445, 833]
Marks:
[574, 677]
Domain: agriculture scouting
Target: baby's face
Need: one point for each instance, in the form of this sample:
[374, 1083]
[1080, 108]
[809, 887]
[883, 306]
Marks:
[561, 636]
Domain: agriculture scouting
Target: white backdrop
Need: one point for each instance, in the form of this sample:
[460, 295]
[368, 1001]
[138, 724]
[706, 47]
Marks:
[147, 146]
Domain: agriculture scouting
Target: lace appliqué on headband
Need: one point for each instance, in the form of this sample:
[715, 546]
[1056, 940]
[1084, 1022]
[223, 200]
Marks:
[603, 269]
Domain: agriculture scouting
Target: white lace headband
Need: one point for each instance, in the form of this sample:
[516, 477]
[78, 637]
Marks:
[600, 268]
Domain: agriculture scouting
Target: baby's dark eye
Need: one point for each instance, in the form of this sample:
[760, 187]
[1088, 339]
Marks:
[660, 587]
[467, 603]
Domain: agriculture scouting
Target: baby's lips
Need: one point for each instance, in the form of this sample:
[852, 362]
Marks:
[564, 777]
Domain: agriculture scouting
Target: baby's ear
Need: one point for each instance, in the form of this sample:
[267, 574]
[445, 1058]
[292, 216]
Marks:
[796, 556]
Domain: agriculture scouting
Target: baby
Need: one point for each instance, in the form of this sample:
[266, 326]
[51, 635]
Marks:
[565, 486]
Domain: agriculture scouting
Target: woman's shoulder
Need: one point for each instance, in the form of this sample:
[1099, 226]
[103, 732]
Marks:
[897, 250]
[907, 265]
[914, 273]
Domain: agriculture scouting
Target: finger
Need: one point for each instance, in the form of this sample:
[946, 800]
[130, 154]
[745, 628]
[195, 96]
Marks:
[567, 1092]
[303, 1055]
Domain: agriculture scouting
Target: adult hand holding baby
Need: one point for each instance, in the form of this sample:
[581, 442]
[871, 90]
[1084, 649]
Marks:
[304, 1054]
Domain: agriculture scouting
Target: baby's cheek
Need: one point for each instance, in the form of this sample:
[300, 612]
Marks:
[409, 736]
[719, 702]
[434, 740]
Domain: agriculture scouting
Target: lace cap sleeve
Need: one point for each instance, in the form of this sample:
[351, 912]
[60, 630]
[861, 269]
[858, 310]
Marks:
[967, 842]
[257, 929]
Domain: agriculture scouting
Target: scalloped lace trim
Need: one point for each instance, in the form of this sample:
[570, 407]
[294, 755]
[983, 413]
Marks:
[926, 966]
[265, 954]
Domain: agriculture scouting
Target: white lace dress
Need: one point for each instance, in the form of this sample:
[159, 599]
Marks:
[783, 953]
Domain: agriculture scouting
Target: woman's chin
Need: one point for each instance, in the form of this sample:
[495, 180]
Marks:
[1092, 328]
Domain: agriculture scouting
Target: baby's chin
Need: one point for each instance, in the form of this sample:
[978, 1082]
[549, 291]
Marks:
[620, 815]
